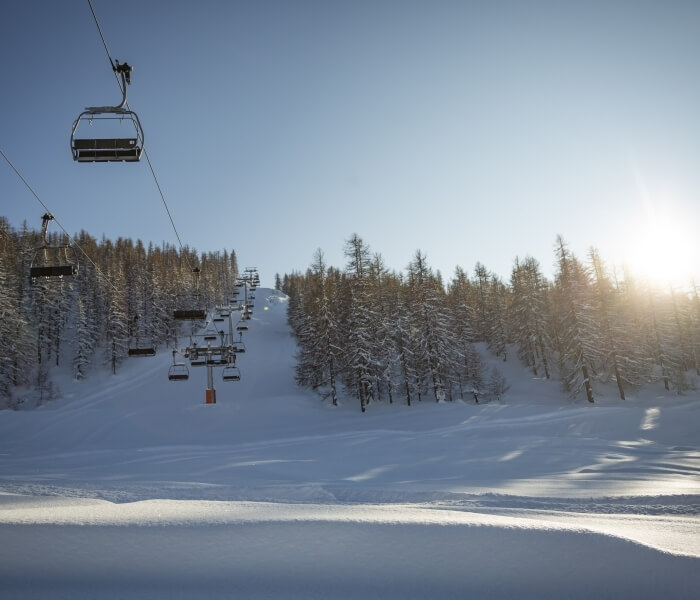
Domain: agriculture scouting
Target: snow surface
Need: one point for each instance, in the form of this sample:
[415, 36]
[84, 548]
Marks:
[130, 486]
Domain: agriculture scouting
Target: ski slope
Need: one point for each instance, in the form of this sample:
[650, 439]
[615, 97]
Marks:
[131, 486]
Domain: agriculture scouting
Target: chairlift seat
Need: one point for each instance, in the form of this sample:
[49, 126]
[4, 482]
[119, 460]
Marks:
[53, 271]
[142, 351]
[190, 315]
[106, 150]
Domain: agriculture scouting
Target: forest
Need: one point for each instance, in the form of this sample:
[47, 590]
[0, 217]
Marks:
[363, 330]
[386, 336]
[122, 296]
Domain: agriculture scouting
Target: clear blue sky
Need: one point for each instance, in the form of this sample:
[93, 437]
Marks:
[473, 131]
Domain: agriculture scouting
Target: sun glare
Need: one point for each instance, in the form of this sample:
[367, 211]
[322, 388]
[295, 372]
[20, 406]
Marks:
[661, 248]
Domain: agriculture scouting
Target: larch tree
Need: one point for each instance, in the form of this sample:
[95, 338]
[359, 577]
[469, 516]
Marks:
[580, 341]
[529, 315]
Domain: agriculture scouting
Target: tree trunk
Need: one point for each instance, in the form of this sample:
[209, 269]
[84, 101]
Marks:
[587, 383]
[618, 379]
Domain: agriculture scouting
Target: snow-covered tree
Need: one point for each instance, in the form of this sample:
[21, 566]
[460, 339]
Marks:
[578, 330]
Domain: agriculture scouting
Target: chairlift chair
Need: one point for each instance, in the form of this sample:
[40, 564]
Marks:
[178, 372]
[52, 261]
[109, 148]
[192, 312]
[231, 373]
[140, 349]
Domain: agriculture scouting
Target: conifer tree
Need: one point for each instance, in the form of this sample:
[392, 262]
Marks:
[359, 359]
[496, 315]
[604, 298]
[529, 316]
[575, 321]
[317, 332]
[116, 324]
[428, 308]
[84, 342]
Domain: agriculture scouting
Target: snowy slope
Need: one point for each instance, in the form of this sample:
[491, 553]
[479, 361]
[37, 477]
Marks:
[131, 486]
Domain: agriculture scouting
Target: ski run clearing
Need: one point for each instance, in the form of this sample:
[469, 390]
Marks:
[130, 486]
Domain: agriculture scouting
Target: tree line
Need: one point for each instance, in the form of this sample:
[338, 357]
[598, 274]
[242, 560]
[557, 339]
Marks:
[383, 335]
[123, 296]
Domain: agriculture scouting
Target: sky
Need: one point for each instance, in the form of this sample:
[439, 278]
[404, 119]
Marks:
[471, 131]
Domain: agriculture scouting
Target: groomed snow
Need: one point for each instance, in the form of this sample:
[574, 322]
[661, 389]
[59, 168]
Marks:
[130, 486]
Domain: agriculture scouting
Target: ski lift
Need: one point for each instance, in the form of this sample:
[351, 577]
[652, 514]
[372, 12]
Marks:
[178, 371]
[52, 261]
[140, 349]
[239, 347]
[231, 373]
[241, 326]
[109, 149]
[192, 313]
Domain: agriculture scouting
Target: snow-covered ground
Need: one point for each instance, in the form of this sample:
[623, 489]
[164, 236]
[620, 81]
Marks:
[130, 486]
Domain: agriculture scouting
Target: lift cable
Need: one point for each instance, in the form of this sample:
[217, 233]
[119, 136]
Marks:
[104, 43]
[68, 235]
[145, 152]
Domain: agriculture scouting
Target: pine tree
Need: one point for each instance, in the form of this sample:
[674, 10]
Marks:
[15, 336]
[469, 371]
[529, 316]
[496, 315]
[694, 328]
[116, 325]
[84, 342]
[317, 332]
[606, 317]
[358, 356]
[438, 347]
[578, 335]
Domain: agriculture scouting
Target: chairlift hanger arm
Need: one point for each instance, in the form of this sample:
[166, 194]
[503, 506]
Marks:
[45, 219]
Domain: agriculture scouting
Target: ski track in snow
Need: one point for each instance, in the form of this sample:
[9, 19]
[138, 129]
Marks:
[269, 467]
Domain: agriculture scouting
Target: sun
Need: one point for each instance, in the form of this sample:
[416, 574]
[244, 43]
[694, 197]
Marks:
[660, 247]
